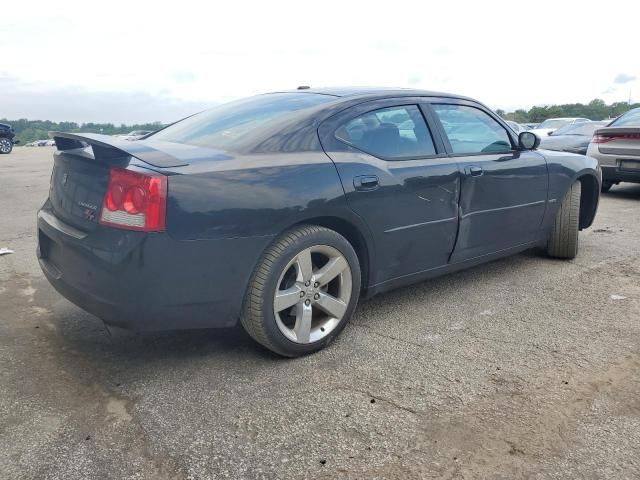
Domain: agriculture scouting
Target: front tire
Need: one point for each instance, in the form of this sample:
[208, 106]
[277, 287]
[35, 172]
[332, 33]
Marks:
[6, 145]
[303, 292]
[563, 242]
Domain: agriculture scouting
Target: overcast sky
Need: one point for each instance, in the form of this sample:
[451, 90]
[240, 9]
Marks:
[137, 61]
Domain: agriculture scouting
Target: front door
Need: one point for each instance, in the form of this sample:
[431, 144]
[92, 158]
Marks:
[504, 190]
[398, 178]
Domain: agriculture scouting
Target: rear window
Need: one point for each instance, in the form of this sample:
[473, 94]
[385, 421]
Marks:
[585, 128]
[629, 119]
[553, 123]
[223, 126]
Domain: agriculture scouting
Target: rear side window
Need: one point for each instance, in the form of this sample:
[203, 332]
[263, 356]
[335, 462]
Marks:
[226, 125]
[393, 133]
[470, 130]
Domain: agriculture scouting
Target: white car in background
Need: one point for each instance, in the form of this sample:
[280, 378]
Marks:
[552, 124]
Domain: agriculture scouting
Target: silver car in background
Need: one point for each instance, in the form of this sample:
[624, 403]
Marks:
[617, 149]
[550, 125]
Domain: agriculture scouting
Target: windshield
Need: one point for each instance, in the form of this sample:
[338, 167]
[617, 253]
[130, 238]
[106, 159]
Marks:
[551, 123]
[629, 119]
[223, 126]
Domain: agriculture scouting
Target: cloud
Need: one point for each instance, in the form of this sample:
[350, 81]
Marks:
[196, 54]
[184, 77]
[624, 78]
[44, 102]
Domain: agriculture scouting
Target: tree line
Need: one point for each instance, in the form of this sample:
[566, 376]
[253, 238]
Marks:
[596, 109]
[30, 130]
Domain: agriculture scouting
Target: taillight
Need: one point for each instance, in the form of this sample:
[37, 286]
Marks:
[617, 136]
[135, 201]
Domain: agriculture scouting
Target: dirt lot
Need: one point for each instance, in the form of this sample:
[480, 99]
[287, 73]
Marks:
[522, 368]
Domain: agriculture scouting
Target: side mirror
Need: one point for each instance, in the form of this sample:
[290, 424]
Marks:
[528, 141]
[15, 142]
[550, 133]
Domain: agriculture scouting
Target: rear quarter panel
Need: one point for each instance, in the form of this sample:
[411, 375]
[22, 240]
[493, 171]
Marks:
[564, 169]
[255, 195]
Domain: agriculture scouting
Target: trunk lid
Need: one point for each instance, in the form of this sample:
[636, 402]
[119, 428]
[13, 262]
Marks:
[78, 185]
[81, 173]
[622, 141]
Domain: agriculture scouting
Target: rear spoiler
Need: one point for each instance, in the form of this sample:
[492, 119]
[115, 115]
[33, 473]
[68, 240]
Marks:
[107, 148]
[617, 130]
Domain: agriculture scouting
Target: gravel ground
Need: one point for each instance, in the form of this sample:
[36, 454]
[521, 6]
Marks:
[522, 368]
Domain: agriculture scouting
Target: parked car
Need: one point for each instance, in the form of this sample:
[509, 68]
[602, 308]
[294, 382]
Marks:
[38, 143]
[134, 135]
[517, 127]
[574, 138]
[7, 138]
[552, 124]
[617, 149]
[531, 126]
[282, 210]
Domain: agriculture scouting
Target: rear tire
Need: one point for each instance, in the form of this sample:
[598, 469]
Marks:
[563, 242]
[6, 145]
[303, 291]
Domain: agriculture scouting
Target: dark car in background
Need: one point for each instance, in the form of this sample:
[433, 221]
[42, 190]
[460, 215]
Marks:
[574, 138]
[282, 210]
[617, 149]
[7, 138]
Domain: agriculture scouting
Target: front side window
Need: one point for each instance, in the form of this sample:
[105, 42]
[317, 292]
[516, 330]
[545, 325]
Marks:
[470, 130]
[393, 133]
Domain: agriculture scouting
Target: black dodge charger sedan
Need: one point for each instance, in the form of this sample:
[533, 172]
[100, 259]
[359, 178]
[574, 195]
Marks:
[282, 210]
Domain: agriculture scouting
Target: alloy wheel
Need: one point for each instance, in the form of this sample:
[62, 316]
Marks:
[312, 294]
[5, 145]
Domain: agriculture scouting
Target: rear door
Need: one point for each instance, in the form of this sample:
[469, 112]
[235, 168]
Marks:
[504, 190]
[398, 178]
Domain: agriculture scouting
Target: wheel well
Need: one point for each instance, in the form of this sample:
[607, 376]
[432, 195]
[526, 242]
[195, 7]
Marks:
[588, 200]
[353, 236]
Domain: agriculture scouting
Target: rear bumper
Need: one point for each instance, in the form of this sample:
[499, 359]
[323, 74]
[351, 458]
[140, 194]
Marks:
[147, 282]
[610, 165]
[614, 174]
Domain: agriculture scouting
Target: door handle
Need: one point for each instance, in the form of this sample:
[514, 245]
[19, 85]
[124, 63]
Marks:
[366, 182]
[474, 171]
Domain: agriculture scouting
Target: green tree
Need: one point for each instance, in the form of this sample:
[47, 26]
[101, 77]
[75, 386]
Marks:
[596, 109]
[30, 130]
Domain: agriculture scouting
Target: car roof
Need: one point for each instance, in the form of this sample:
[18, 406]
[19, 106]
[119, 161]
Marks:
[373, 92]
